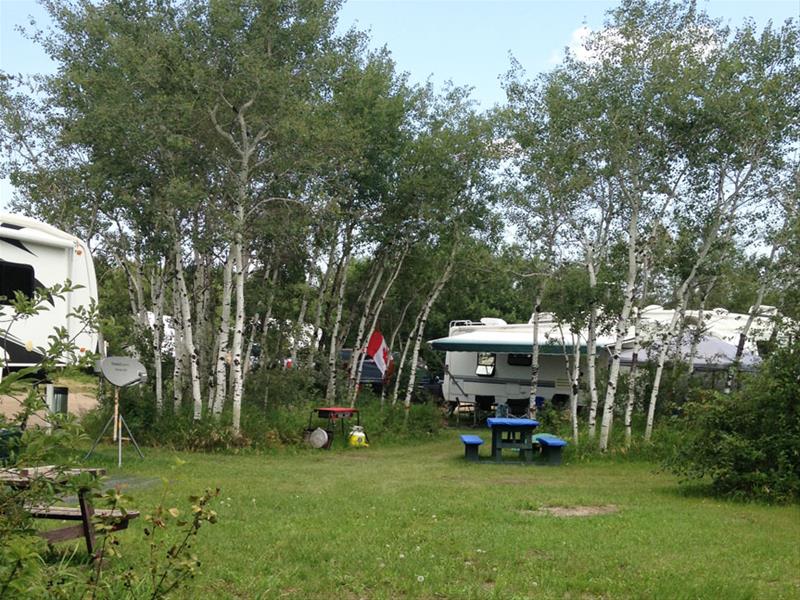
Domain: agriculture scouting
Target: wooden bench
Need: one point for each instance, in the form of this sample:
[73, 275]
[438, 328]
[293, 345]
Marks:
[21, 479]
[114, 519]
[471, 443]
[552, 447]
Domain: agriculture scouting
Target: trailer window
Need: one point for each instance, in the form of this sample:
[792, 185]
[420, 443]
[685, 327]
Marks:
[520, 360]
[486, 363]
[15, 277]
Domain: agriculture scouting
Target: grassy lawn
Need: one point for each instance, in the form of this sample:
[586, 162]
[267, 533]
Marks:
[421, 522]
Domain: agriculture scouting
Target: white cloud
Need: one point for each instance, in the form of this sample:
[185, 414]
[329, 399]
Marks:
[576, 46]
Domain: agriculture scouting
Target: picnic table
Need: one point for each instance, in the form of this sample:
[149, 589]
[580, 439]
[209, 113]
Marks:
[23, 479]
[511, 433]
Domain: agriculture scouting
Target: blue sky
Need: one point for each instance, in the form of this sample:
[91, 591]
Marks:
[466, 42]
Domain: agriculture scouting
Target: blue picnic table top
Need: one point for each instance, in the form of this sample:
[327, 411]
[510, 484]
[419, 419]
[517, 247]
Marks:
[507, 422]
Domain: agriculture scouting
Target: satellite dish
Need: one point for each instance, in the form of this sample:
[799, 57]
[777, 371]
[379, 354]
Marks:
[122, 371]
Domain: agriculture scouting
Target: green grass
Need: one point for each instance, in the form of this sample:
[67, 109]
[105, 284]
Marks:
[421, 522]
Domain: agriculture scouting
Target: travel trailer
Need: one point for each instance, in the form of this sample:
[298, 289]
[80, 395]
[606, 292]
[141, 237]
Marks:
[35, 255]
[488, 363]
[712, 349]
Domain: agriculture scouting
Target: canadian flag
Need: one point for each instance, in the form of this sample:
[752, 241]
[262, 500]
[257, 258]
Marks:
[379, 351]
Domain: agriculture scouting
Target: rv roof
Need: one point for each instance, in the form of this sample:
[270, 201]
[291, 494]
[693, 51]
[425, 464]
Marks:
[26, 229]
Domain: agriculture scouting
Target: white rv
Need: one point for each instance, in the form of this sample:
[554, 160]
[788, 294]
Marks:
[35, 255]
[489, 362]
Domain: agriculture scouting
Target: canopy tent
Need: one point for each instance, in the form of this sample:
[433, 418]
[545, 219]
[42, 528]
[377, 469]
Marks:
[711, 354]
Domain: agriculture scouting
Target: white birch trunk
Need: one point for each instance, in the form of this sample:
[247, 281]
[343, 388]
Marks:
[223, 334]
[591, 348]
[683, 293]
[157, 294]
[403, 357]
[632, 379]
[733, 371]
[238, 327]
[265, 322]
[325, 282]
[392, 338]
[537, 310]
[437, 289]
[621, 330]
[376, 313]
[333, 350]
[637, 344]
[576, 373]
[356, 362]
[298, 328]
[188, 339]
[177, 374]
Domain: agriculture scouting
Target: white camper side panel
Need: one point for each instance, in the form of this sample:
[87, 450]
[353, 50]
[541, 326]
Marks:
[462, 383]
[54, 257]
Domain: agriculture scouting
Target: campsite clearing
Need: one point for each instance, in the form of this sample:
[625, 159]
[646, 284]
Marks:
[421, 522]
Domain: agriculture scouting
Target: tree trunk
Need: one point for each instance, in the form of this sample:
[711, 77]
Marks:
[157, 294]
[403, 357]
[392, 338]
[576, 373]
[634, 372]
[376, 313]
[265, 322]
[223, 334]
[699, 328]
[325, 282]
[177, 374]
[632, 379]
[683, 294]
[356, 363]
[333, 350]
[591, 349]
[437, 289]
[733, 371]
[537, 310]
[621, 329]
[188, 338]
[238, 328]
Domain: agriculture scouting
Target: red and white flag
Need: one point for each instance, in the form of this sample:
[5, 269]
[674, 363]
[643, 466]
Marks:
[379, 351]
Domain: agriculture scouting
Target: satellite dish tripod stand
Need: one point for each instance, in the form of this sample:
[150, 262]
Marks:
[119, 422]
[119, 372]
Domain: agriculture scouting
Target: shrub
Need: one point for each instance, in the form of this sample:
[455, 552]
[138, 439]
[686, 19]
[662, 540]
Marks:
[747, 442]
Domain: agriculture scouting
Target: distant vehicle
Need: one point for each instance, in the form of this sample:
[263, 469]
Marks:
[36, 255]
[370, 373]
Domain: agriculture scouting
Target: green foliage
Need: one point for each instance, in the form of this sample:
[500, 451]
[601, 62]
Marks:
[27, 568]
[748, 442]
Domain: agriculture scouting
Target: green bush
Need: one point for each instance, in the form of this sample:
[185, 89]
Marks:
[277, 407]
[748, 442]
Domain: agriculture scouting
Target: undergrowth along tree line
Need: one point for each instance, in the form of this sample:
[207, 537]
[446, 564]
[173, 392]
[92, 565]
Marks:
[280, 190]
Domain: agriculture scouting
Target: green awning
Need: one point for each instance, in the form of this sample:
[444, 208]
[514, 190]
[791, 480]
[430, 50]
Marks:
[499, 342]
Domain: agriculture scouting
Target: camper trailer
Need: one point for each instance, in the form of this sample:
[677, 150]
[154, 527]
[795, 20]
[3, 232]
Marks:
[488, 363]
[35, 255]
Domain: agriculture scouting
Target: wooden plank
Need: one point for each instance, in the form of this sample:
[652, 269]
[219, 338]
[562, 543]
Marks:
[87, 511]
[70, 513]
[65, 533]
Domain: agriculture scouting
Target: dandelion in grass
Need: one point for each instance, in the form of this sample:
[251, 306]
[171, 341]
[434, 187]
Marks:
[420, 578]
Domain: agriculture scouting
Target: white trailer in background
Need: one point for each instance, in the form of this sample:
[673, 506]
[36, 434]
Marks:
[36, 255]
[489, 363]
